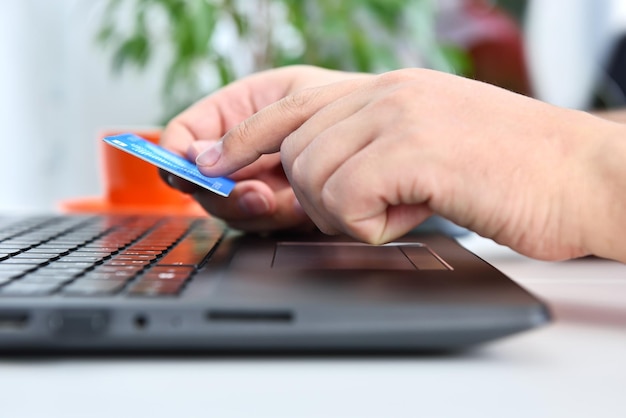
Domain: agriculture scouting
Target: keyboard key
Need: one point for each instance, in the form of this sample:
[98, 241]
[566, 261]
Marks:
[108, 269]
[114, 275]
[24, 261]
[62, 264]
[36, 256]
[73, 259]
[39, 278]
[53, 248]
[84, 287]
[145, 257]
[189, 252]
[39, 250]
[123, 263]
[149, 247]
[167, 273]
[141, 252]
[28, 289]
[98, 248]
[10, 250]
[83, 253]
[16, 268]
[5, 278]
[156, 288]
[59, 269]
[14, 243]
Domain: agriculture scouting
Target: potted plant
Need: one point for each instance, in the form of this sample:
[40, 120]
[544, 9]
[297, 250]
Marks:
[213, 42]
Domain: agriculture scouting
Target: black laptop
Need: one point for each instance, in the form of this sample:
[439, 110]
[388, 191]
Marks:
[161, 284]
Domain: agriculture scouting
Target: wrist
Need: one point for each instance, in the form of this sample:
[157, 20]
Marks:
[604, 227]
[617, 115]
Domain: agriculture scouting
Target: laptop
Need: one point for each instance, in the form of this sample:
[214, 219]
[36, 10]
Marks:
[108, 283]
[124, 282]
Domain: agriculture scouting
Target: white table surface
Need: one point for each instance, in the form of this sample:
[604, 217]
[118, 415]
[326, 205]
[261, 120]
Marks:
[575, 367]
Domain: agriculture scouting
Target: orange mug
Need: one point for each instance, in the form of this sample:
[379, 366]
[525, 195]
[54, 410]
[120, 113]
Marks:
[133, 185]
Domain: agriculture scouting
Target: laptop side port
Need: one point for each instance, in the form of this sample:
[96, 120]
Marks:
[140, 321]
[249, 315]
[13, 320]
[78, 323]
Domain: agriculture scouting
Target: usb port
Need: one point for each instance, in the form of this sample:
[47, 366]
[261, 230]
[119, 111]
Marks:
[13, 320]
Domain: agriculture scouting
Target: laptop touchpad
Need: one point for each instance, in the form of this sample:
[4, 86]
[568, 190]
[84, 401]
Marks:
[355, 256]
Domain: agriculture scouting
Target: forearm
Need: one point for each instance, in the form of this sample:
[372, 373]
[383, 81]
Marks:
[606, 223]
[618, 115]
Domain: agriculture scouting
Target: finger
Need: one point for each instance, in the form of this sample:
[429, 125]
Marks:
[204, 120]
[250, 198]
[267, 169]
[264, 132]
[273, 226]
[325, 118]
[287, 218]
[265, 164]
[198, 147]
[213, 116]
[373, 199]
[310, 168]
[236, 211]
[178, 183]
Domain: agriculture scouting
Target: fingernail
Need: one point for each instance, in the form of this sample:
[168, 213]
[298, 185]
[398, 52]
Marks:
[254, 203]
[210, 156]
[198, 147]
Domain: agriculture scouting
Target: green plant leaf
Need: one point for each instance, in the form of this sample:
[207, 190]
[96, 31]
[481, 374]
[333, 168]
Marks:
[358, 35]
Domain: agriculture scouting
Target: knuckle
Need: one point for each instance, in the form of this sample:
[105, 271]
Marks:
[240, 134]
[288, 154]
[296, 101]
[346, 215]
[396, 100]
[332, 204]
[366, 230]
[399, 76]
[296, 170]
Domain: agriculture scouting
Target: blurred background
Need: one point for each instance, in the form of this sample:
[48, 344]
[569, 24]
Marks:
[70, 69]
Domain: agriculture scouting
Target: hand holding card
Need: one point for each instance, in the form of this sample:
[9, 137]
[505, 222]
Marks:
[170, 162]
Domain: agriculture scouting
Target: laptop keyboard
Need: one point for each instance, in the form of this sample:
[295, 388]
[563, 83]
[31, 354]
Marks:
[103, 255]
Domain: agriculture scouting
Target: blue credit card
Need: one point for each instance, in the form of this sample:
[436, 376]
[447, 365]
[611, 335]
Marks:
[170, 162]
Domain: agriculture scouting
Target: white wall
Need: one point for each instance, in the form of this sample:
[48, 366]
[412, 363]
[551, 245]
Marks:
[568, 44]
[56, 93]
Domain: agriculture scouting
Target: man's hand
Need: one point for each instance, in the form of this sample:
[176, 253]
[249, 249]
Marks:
[373, 157]
[263, 200]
